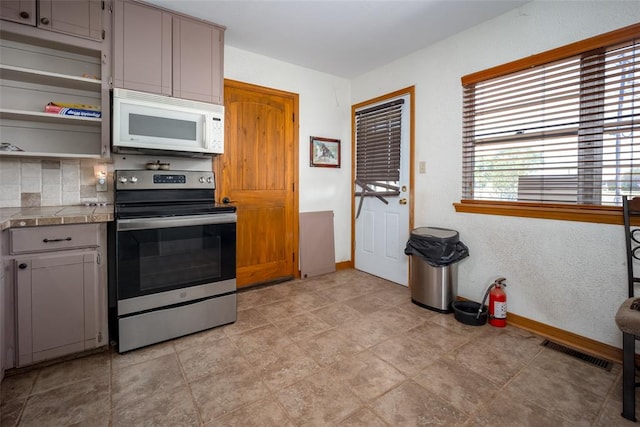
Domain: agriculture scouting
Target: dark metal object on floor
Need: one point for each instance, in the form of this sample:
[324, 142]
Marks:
[470, 312]
[628, 319]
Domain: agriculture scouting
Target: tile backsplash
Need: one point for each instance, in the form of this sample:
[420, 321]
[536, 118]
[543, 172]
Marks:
[55, 182]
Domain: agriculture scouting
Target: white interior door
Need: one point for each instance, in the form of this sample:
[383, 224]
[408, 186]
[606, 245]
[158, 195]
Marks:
[382, 229]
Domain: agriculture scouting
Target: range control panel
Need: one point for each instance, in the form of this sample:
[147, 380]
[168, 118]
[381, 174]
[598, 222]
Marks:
[157, 180]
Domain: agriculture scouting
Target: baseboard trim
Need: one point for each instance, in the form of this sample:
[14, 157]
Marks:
[569, 339]
[344, 265]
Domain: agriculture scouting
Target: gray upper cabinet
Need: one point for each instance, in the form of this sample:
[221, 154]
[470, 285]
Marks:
[23, 11]
[160, 52]
[197, 60]
[79, 18]
[76, 17]
[142, 48]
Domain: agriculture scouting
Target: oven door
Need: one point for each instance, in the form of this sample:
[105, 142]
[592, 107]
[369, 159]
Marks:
[156, 255]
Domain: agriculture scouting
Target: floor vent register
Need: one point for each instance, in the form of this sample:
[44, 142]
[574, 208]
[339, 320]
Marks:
[601, 363]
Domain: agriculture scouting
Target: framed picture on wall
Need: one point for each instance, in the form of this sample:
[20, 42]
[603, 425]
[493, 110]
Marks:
[325, 152]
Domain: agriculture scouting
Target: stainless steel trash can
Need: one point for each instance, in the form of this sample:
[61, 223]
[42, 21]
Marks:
[432, 287]
[433, 256]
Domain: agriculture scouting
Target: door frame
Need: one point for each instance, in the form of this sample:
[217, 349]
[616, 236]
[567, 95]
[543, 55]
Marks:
[410, 91]
[295, 160]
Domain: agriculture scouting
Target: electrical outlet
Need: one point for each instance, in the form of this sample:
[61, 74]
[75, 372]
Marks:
[101, 183]
[422, 167]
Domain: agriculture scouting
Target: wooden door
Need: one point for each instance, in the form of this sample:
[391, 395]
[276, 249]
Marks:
[197, 60]
[258, 172]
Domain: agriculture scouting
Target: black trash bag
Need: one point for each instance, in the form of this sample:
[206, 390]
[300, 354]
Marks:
[437, 246]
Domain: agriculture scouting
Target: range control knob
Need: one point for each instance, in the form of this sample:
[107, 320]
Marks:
[133, 180]
[201, 180]
[123, 179]
[209, 180]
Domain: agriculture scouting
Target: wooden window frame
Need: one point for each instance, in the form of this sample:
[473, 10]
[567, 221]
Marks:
[567, 212]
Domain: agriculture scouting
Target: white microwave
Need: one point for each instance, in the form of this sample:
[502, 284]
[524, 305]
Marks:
[156, 123]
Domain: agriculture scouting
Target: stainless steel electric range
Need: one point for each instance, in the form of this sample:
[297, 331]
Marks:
[173, 257]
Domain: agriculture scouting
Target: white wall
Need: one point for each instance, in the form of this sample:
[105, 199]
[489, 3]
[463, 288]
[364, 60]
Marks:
[569, 275]
[325, 111]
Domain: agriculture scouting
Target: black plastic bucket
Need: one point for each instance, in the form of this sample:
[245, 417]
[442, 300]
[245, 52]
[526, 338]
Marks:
[467, 312]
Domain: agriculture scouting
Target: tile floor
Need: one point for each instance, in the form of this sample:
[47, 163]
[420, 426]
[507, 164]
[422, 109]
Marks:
[344, 349]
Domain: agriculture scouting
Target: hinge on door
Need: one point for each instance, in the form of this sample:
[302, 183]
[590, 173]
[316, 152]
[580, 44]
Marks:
[102, 5]
[99, 336]
[103, 34]
[98, 259]
[293, 187]
[293, 117]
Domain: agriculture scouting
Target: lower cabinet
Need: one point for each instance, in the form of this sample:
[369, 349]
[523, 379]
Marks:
[57, 305]
[3, 314]
[59, 291]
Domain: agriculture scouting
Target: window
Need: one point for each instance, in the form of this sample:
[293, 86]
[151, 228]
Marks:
[562, 127]
[378, 145]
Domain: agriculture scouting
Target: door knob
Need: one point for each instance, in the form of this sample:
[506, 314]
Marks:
[226, 200]
[44, 21]
[22, 266]
[24, 15]
[402, 201]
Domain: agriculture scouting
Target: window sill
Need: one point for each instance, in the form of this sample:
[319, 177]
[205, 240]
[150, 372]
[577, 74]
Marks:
[595, 214]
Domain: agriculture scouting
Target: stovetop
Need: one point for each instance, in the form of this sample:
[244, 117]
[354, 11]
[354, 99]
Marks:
[149, 193]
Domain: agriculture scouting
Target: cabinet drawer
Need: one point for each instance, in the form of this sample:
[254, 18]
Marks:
[53, 238]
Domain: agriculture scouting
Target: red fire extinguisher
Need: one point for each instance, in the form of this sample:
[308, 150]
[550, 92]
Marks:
[498, 304]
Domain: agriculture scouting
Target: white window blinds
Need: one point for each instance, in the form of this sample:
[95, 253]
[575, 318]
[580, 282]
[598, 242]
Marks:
[567, 131]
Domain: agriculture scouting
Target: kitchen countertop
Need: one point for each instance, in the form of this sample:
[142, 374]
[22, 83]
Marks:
[54, 215]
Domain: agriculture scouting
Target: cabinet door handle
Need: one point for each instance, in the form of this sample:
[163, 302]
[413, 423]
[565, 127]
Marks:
[22, 266]
[44, 21]
[24, 15]
[66, 239]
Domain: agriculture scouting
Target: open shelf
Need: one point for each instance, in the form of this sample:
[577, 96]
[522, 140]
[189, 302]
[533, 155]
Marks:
[38, 67]
[43, 154]
[47, 117]
[28, 75]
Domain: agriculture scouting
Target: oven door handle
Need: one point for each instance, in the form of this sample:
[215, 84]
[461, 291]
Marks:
[175, 221]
